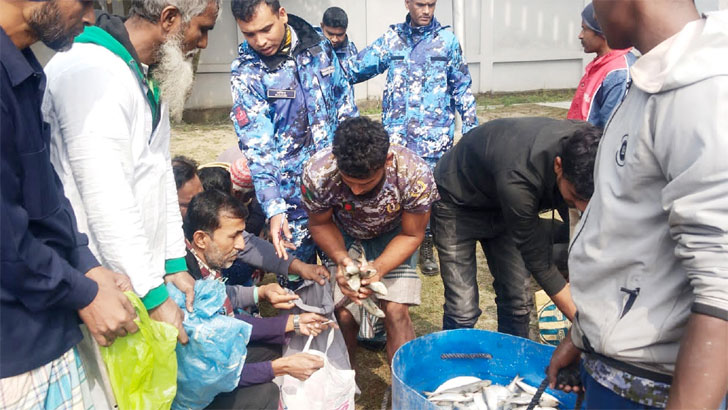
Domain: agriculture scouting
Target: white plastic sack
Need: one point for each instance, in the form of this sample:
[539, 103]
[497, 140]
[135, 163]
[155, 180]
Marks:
[318, 299]
[328, 388]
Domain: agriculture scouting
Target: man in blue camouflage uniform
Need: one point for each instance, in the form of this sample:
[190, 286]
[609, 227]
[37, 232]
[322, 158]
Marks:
[333, 26]
[427, 80]
[289, 94]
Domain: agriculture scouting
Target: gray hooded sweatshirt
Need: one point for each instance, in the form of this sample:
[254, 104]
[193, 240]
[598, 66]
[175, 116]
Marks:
[652, 245]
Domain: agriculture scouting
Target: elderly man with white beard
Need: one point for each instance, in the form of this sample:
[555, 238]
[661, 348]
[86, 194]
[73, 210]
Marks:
[108, 101]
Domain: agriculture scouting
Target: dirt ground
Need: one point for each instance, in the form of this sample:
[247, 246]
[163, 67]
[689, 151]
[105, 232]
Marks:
[205, 142]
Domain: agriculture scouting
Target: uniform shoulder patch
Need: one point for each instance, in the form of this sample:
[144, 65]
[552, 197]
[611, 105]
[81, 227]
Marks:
[241, 117]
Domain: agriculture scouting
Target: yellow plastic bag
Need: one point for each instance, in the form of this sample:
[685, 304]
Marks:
[142, 366]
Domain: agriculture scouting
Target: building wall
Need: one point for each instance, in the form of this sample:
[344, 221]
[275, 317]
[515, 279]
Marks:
[510, 45]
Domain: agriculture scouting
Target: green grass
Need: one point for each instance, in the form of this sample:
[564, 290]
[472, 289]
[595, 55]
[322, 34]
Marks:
[374, 106]
[527, 97]
[370, 106]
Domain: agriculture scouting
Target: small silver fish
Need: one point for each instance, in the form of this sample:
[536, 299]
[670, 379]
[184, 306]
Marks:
[512, 386]
[463, 389]
[354, 283]
[372, 308]
[352, 270]
[519, 399]
[378, 288]
[455, 382]
[495, 395]
[450, 397]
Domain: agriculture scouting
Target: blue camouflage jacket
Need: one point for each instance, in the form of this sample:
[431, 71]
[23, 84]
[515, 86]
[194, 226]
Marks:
[285, 108]
[427, 80]
[346, 52]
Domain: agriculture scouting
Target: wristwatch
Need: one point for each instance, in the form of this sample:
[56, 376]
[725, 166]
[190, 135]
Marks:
[297, 324]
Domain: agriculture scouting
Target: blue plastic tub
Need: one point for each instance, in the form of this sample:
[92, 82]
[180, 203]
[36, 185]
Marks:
[417, 365]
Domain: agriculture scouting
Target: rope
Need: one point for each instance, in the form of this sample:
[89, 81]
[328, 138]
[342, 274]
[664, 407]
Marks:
[537, 397]
[446, 356]
[565, 376]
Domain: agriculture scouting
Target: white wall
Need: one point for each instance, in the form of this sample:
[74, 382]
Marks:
[510, 45]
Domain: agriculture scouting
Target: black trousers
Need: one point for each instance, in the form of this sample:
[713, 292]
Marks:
[263, 396]
[456, 231]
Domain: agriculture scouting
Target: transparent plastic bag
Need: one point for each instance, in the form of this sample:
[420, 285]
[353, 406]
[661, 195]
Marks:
[142, 366]
[213, 359]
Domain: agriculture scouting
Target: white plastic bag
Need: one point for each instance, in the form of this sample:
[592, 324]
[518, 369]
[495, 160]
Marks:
[328, 388]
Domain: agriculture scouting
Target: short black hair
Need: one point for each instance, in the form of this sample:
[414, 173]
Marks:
[205, 210]
[216, 178]
[244, 10]
[360, 147]
[335, 17]
[184, 170]
[577, 159]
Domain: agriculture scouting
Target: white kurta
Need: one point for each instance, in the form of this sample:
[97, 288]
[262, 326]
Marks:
[115, 171]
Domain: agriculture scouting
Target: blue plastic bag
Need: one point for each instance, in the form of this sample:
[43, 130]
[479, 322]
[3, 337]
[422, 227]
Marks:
[212, 361]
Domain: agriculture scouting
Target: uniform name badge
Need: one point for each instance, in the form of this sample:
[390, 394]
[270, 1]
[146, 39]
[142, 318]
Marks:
[328, 70]
[285, 94]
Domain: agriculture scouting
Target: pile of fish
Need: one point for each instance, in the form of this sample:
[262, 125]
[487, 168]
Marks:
[354, 275]
[472, 393]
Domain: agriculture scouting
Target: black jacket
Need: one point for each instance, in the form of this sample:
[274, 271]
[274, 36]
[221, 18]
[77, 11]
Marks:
[507, 166]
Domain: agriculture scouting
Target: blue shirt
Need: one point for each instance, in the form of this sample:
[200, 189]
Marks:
[44, 257]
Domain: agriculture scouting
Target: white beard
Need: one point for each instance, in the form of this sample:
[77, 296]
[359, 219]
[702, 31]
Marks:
[174, 75]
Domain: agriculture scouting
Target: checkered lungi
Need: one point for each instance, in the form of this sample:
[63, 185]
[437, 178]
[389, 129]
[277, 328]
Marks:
[60, 384]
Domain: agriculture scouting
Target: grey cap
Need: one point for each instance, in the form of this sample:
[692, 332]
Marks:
[588, 17]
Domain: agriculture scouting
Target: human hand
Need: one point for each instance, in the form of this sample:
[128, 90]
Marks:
[342, 279]
[289, 245]
[122, 282]
[309, 271]
[169, 312]
[312, 324]
[277, 296]
[300, 365]
[185, 283]
[566, 355]
[377, 277]
[278, 227]
[369, 275]
[110, 314]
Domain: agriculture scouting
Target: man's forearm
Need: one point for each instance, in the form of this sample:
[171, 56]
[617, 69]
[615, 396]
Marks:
[562, 300]
[260, 253]
[328, 237]
[701, 371]
[399, 249]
